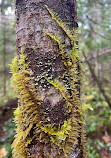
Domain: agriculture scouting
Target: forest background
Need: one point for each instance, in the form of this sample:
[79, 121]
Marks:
[94, 19]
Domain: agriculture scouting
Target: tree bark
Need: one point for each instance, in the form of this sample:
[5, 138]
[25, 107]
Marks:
[4, 44]
[99, 21]
[33, 20]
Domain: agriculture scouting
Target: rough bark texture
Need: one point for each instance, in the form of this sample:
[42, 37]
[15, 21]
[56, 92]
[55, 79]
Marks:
[32, 18]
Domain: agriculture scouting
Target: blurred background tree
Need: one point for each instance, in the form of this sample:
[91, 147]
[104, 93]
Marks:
[7, 52]
[94, 18]
[94, 38]
[7, 45]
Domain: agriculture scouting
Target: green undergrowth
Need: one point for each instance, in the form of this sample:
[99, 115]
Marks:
[8, 136]
[98, 122]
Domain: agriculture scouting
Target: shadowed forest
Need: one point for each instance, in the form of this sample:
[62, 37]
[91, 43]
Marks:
[94, 20]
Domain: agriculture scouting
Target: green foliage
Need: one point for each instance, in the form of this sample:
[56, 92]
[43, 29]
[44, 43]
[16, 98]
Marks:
[92, 151]
[7, 146]
[8, 137]
[8, 128]
[96, 122]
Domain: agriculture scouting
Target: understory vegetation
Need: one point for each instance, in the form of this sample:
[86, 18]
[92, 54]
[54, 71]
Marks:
[98, 126]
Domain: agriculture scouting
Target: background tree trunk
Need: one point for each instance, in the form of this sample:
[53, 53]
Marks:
[4, 44]
[99, 22]
[32, 19]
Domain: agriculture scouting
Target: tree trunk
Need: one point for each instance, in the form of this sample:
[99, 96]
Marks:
[3, 27]
[99, 21]
[98, 82]
[46, 33]
[91, 13]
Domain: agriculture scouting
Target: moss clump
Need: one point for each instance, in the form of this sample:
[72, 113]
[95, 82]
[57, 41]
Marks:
[26, 115]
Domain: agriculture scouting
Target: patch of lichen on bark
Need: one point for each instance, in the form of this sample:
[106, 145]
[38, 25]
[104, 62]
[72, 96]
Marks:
[30, 116]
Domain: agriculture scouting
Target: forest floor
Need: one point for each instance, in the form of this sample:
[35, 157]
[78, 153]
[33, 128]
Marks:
[99, 135]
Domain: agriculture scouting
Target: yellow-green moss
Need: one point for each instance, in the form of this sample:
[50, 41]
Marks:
[27, 115]
[27, 112]
[75, 71]
[71, 34]
[59, 134]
